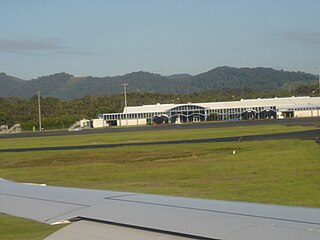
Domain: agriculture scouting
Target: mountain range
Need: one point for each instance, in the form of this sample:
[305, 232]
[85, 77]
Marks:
[67, 86]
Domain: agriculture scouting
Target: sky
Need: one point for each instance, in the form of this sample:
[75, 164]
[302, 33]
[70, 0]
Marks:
[115, 37]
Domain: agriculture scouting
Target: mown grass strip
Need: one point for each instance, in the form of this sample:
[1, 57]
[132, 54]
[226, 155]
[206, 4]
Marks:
[279, 171]
[142, 136]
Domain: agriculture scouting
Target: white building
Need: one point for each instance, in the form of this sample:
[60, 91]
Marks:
[232, 110]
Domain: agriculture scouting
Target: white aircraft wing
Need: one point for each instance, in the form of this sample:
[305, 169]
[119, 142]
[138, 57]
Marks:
[108, 215]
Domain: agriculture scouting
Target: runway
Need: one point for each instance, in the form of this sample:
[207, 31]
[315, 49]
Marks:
[313, 121]
[307, 135]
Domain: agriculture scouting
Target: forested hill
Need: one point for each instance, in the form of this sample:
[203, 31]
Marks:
[66, 86]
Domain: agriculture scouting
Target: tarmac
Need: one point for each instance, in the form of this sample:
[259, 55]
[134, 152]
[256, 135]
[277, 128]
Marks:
[312, 121]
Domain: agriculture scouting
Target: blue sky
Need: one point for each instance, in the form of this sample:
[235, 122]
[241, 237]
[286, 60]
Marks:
[115, 37]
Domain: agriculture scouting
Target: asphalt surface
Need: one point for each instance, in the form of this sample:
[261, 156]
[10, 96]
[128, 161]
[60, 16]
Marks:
[314, 121]
[310, 134]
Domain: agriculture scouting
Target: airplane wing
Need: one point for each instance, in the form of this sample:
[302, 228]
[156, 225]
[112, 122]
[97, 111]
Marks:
[109, 215]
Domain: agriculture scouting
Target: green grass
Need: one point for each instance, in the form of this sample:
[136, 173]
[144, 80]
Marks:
[13, 228]
[145, 136]
[266, 171]
[279, 171]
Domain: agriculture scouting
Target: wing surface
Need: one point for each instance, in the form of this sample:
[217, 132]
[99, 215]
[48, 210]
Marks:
[94, 213]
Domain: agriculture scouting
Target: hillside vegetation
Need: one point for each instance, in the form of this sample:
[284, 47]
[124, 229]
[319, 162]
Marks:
[67, 86]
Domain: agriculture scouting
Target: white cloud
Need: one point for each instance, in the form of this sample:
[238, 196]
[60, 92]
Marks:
[12, 45]
[304, 37]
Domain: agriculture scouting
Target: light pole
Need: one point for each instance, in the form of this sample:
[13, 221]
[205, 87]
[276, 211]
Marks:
[39, 108]
[318, 67]
[125, 101]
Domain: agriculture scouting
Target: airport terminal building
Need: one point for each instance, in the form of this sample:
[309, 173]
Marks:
[268, 108]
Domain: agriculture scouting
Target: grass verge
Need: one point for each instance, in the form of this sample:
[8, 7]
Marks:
[147, 136]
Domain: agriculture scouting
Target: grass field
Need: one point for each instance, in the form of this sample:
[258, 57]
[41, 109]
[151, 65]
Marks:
[279, 171]
[146, 136]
